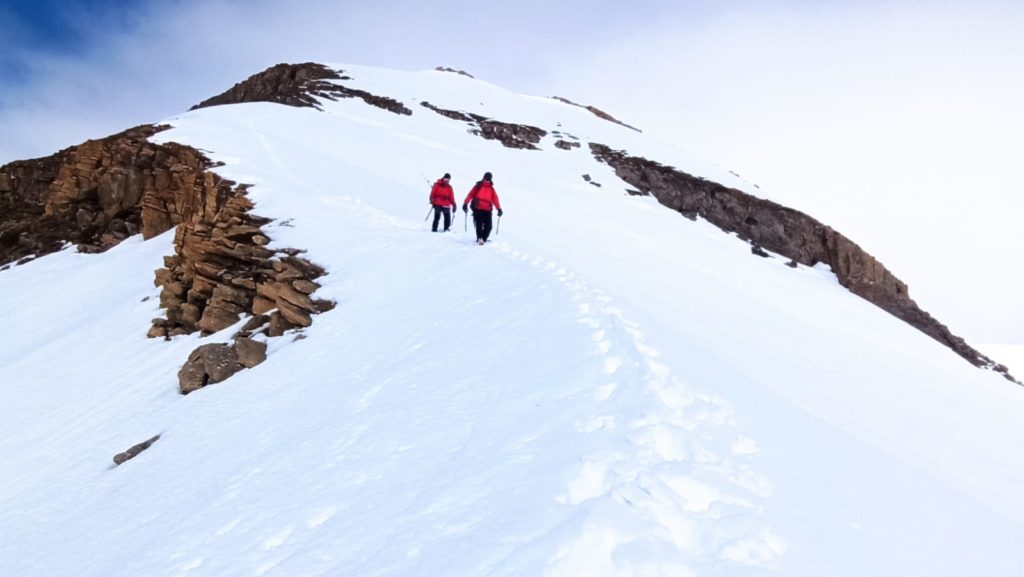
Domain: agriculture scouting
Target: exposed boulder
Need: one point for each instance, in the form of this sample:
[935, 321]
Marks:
[790, 233]
[135, 450]
[208, 364]
[304, 286]
[250, 353]
[566, 145]
[293, 315]
[278, 325]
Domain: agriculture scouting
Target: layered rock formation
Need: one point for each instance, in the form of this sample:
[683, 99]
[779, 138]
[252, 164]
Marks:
[222, 271]
[788, 232]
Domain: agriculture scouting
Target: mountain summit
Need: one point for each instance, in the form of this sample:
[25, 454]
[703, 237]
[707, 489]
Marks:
[651, 369]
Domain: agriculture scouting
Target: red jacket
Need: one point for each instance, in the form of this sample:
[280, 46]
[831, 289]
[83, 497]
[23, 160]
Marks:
[442, 194]
[486, 197]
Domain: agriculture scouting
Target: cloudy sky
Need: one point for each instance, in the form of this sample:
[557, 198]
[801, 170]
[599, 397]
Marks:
[898, 123]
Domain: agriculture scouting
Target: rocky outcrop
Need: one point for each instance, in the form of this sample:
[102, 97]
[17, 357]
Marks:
[134, 451]
[597, 112]
[102, 191]
[25, 231]
[459, 72]
[520, 136]
[93, 194]
[389, 104]
[291, 84]
[299, 85]
[223, 271]
[788, 232]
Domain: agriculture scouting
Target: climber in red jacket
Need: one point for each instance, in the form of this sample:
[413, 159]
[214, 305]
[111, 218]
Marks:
[442, 198]
[484, 199]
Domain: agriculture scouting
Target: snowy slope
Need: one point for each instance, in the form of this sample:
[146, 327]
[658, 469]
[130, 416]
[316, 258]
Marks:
[606, 389]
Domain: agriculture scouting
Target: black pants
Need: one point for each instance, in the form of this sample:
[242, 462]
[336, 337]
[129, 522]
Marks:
[482, 222]
[447, 212]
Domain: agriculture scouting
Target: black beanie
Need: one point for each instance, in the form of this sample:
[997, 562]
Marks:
[446, 175]
[487, 176]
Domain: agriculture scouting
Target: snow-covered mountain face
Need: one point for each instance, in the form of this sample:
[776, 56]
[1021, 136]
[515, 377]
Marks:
[606, 388]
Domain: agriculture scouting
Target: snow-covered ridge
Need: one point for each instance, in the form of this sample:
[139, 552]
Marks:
[572, 398]
[766, 225]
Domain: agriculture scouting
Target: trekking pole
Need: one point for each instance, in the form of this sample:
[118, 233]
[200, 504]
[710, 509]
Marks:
[465, 221]
[497, 229]
[428, 214]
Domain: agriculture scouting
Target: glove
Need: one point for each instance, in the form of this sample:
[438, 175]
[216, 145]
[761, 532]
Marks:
[464, 209]
[500, 212]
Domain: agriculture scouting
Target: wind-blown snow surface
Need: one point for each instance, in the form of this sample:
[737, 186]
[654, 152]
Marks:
[608, 389]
